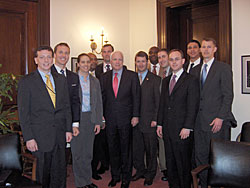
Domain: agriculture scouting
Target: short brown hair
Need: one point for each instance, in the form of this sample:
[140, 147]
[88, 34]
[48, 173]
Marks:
[163, 50]
[40, 48]
[210, 39]
[61, 44]
[82, 54]
[177, 50]
[107, 45]
[141, 54]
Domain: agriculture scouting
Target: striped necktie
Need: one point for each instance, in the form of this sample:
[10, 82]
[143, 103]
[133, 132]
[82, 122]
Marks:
[51, 91]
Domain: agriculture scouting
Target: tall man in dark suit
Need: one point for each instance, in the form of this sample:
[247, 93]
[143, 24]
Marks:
[121, 100]
[107, 49]
[144, 134]
[176, 119]
[193, 51]
[45, 119]
[100, 143]
[62, 53]
[214, 116]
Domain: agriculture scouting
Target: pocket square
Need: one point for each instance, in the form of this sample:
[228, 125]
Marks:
[73, 85]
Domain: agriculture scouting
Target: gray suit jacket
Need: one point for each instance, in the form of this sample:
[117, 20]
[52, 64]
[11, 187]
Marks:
[216, 97]
[95, 100]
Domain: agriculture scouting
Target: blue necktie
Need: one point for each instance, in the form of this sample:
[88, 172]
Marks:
[203, 75]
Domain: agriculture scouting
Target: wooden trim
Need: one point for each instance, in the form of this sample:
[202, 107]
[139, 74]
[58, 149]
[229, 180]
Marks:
[161, 25]
[43, 22]
[225, 31]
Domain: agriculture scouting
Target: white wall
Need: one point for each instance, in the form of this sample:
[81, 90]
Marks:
[240, 46]
[130, 24]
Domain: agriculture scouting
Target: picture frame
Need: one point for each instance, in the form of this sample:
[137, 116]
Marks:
[74, 63]
[245, 74]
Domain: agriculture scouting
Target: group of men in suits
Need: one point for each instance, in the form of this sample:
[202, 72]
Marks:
[182, 103]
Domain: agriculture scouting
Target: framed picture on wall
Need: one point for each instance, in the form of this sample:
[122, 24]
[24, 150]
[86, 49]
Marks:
[245, 74]
[74, 63]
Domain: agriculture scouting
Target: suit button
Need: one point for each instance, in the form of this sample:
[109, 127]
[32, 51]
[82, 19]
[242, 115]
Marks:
[201, 99]
[200, 109]
[169, 108]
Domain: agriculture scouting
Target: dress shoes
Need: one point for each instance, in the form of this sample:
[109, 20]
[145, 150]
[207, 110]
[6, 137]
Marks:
[96, 177]
[136, 177]
[165, 176]
[102, 169]
[125, 184]
[113, 183]
[148, 182]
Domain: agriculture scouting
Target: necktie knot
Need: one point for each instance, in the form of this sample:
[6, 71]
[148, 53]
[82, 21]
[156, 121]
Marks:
[47, 76]
[62, 71]
[108, 67]
[154, 69]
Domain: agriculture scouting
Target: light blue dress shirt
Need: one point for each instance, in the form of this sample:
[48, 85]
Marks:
[143, 75]
[85, 86]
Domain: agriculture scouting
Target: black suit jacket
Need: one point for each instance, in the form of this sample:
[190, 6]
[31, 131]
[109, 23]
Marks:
[178, 110]
[150, 99]
[39, 119]
[73, 88]
[127, 103]
[99, 70]
[216, 96]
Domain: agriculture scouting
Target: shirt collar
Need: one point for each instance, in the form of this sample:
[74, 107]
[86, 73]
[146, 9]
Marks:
[44, 74]
[144, 73]
[196, 62]
[58, 69]
[209, 63]
[119, 72]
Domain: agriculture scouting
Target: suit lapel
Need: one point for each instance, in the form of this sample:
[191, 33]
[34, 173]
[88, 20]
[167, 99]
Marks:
[110, 81]
[210, 75]
[42, 87]
[146, 79]
[123, 77]
[179, 82]
[167, 85]
[55, 77]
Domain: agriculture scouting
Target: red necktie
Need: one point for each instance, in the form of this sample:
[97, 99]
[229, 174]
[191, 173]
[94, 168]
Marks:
[115, 84]
[154, 69]
[172, 84]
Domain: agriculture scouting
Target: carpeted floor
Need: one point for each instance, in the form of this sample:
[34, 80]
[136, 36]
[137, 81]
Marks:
[158, 183]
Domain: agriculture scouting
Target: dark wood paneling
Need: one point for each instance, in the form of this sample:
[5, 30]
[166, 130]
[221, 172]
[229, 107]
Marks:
[43, 22]
[161, 25]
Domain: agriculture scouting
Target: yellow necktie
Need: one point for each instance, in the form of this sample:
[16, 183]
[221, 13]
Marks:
[51, 91]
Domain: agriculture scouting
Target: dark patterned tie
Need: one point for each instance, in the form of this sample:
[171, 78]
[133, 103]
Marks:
[191, 66]
[164, 74]
[154, 69]
[62, 72]
[107, 67]
[172, 84]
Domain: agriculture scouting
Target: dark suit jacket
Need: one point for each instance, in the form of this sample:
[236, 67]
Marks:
[73, 88]
[216, 96]
[39, 119]
[150, 99]
[178, 110]
[95, 101]
[127, 103]
[99, 70]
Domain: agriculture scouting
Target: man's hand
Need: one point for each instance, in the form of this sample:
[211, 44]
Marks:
[97, 129]
[32, 145]
[217, 124]
[184, 133]
[134, 121]
[68, 136]
[159, 131]
[75, 131]
[153, 123]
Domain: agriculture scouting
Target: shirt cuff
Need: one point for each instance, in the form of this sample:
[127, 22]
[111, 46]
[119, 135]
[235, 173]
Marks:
[75, 124]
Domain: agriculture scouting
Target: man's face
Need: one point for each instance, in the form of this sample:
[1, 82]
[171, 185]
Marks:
[84, 64]
[106, 52]
[176, 61]
[117, 61]
[153, 55]
[163, 59]
[93, 61]
[193, 50]
[141, 64]
[62, 55]
[44, 60]
[208, 49]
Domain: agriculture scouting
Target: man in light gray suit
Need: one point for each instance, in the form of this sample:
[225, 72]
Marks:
[214, 117]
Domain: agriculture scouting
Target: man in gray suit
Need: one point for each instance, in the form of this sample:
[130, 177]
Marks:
[216, 95]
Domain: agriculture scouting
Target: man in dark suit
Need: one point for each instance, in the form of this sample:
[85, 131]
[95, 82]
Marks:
[62, 53]
[216, 96]
[45, 119]
[100, 143]
[107, 49]
[193, 51]
[144, 134]
[179, 103]
[121, 100]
